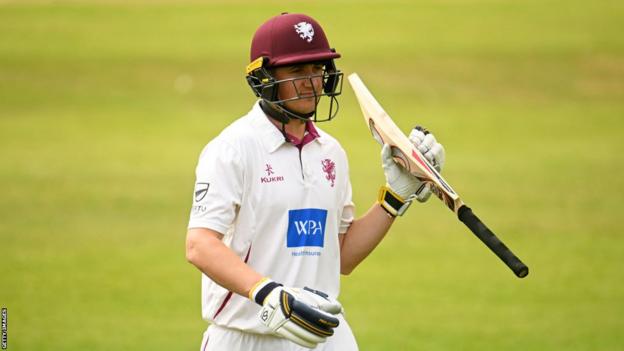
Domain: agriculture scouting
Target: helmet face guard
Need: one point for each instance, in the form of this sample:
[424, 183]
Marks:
[266, 87]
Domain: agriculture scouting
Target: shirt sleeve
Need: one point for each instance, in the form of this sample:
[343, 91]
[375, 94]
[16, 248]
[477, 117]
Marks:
[348, 212]
[348, 207]
[218, 187]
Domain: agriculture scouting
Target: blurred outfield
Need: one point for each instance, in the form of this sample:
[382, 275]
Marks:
[104, 108]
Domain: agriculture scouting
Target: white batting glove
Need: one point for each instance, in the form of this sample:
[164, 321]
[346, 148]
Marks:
[433, 151]
[398, 178]
[401, 188]
[303, 316]
[428, 146]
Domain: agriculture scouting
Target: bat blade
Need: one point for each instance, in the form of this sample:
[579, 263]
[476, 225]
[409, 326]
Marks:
[385, 131]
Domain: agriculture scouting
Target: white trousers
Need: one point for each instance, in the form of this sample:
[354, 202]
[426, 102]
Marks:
[217, 338]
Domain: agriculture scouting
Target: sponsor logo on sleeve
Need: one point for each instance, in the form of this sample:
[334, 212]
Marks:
[306, 227]
[201, 189]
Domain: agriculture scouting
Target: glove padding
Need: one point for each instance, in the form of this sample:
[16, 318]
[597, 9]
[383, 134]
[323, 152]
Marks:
[304, 316]
[433, 151]
[399, 179]
[428, 146]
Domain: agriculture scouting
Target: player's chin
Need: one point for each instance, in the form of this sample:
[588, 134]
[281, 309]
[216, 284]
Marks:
[304, 106]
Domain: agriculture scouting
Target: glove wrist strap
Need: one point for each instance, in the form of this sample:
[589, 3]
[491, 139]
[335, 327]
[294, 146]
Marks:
[261, 290]
[392, 202]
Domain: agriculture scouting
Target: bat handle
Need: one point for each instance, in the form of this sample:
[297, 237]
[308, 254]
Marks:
[490, 240]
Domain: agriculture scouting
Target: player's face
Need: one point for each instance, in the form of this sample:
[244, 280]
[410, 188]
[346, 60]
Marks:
[305, 88]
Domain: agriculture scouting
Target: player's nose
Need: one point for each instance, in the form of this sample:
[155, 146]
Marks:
[311, 84]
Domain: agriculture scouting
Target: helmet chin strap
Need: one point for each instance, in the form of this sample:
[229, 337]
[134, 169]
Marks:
[282, 113]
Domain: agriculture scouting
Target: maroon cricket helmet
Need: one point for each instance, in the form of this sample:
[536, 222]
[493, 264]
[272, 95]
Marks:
[291, 38]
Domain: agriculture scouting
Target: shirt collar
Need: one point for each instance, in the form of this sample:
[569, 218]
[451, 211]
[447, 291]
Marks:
[309, 135]
[272, 136]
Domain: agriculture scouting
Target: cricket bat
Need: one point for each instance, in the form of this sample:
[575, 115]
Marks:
[386, 132]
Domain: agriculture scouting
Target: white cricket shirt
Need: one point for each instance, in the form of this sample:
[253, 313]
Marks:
[280, 209]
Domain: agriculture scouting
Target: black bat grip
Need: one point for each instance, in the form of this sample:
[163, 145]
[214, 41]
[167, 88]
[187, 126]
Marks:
[490, 240]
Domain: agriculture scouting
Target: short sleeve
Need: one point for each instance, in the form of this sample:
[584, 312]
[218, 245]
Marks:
[348, 209]
[218, 187]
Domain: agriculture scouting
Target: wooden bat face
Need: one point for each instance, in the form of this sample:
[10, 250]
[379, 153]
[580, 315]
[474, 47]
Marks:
[384, 130]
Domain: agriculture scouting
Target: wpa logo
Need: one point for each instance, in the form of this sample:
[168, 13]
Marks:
[306, 227]
[305, 31]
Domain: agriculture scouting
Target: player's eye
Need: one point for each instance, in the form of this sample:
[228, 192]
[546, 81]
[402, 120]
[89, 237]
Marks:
[295, 69]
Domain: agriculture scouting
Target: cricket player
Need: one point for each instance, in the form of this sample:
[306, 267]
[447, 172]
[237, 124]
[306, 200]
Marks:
[272, 223]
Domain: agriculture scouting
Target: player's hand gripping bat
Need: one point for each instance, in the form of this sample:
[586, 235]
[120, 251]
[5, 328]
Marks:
[385, 131]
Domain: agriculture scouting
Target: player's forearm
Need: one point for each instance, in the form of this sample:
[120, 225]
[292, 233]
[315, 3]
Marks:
[206, 251]
[363, 236]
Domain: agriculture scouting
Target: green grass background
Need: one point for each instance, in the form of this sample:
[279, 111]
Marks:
[98, 145]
